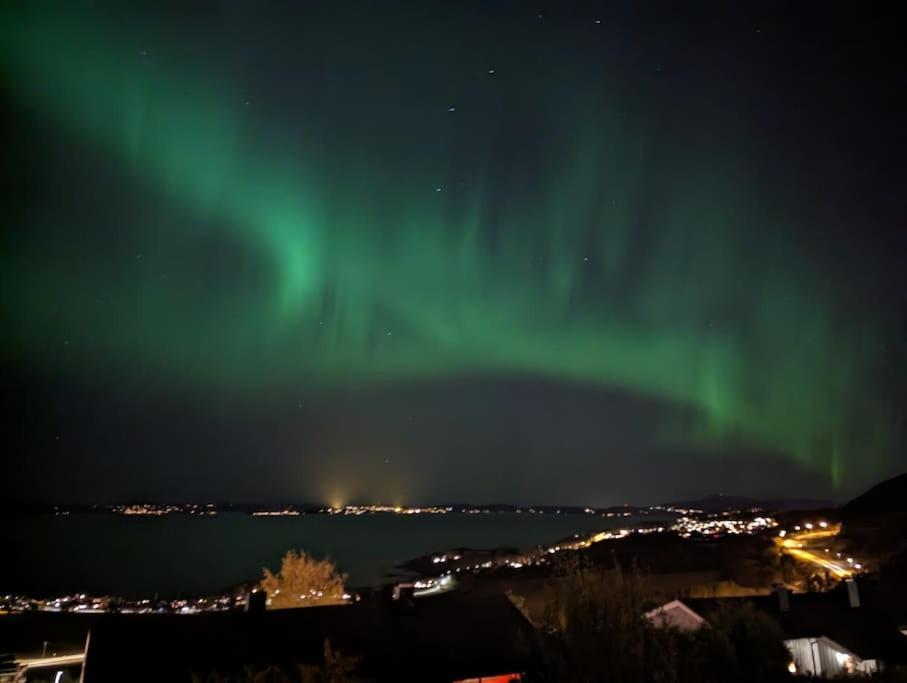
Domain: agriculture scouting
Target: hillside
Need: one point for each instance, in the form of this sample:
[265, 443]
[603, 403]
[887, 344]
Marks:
[885, 498]
[875, 523]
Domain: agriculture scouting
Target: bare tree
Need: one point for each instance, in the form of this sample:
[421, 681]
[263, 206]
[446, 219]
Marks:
[594, 628]
[337, 668]
[303, 581]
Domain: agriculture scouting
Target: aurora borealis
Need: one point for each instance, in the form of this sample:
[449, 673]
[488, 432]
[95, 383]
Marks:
[270, 207]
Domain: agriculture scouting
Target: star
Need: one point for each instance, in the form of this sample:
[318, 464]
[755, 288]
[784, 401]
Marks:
[451, 109]
[491, 71]
[438, 189]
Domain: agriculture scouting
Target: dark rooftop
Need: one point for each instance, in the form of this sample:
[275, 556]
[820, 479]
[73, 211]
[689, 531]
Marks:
[441, 638]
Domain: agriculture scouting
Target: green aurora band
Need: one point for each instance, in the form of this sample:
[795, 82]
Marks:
[352, 266]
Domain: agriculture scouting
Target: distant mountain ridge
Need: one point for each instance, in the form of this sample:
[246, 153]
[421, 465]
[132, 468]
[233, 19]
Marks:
[720, 502]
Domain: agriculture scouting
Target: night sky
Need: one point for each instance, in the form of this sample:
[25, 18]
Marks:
[444, 251]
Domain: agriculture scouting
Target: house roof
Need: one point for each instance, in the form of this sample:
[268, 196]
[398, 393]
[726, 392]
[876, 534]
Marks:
[440, 638]
[676, 614]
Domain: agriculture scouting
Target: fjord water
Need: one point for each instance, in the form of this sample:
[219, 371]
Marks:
[181, 554]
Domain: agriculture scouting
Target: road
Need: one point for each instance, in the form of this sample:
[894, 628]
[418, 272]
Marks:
[808, 545]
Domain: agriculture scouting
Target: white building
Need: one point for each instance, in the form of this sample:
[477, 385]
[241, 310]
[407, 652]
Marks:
[822, 657]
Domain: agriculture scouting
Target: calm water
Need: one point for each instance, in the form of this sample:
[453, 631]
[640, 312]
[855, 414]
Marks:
[181, 554]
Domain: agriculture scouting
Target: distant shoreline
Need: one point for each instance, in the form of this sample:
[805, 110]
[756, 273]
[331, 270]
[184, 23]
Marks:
[298, 509]
[712, 503]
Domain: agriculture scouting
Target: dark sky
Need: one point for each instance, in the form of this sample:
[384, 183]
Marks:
[409, 252]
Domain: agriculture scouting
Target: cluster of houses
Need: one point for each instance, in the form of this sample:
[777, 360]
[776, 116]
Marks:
[461, 637]
[853, 631]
